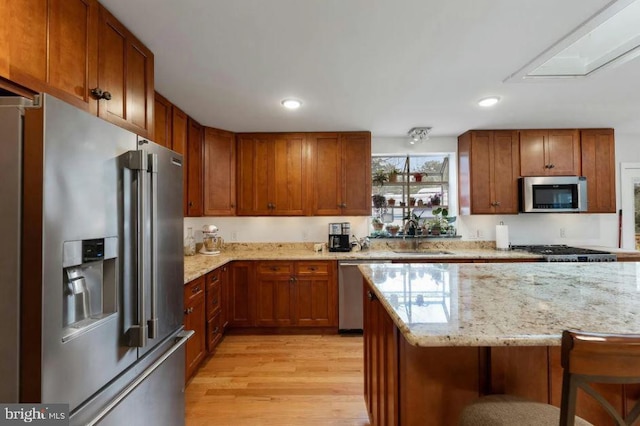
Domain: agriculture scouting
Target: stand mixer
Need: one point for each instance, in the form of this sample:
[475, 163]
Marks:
[211, 242]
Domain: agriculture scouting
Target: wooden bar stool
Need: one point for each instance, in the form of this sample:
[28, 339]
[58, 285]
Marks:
[586, 358]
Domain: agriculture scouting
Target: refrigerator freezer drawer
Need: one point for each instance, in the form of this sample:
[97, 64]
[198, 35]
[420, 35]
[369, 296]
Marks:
[156, 383]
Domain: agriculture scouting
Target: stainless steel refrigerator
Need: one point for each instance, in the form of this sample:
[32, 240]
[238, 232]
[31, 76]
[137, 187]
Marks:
[92, 267]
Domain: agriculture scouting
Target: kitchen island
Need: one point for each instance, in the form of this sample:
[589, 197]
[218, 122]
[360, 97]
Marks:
[439, 335]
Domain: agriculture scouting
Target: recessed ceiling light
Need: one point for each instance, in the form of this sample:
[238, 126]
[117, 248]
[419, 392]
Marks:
[490, 101]
[291, 103]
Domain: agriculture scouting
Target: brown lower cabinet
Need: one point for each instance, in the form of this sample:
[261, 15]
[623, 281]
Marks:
[194, 319]
[214, 303]
[240, 294]
[296, 293]
[258, 295]
[409, 385]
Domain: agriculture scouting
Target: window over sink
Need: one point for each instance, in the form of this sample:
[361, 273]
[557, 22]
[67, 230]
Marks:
[409, 186]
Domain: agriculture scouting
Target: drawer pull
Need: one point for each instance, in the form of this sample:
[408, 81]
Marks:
[371, 296]
[188, 311]
[215, 301]
[274, 268]
[313, 268]
[195, 289]
[215, 330]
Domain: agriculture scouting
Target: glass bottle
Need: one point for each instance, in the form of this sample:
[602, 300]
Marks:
[189, 243]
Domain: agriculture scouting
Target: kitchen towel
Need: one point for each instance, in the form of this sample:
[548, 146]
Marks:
[502, 237]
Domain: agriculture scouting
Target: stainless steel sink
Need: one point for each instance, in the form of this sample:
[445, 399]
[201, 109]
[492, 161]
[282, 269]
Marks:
[422, 252]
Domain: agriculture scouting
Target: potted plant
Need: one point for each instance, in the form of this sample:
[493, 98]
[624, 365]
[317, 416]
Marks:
[391, 201]
[393, 229]
[435, 199]
[377, 224]
[412, 201]
[379, 178]
[379, 201]
[440, 222]
[417, 176]
[393, 174]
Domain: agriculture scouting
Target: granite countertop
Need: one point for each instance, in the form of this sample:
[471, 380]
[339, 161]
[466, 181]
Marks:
[506, 304]
[198, 265]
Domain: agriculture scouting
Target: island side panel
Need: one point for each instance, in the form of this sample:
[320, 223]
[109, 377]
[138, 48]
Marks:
[521, 371]
[436, 383]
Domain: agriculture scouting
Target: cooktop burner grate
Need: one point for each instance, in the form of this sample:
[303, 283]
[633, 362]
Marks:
[563, 253]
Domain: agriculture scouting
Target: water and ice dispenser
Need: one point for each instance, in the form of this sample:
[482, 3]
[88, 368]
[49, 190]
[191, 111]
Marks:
[90, 276]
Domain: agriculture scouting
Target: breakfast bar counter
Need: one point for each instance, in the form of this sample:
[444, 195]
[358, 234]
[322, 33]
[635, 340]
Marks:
[439, 335]
[506, 304]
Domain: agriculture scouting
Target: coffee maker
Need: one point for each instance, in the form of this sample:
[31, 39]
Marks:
[339, 236]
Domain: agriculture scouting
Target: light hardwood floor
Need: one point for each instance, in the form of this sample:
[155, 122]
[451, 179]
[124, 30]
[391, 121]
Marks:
[280, 380]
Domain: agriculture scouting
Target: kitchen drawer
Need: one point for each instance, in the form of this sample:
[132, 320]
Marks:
[214, 332]
[275, 268]
[213, 298]
[213, 276]
[314, 268]
[194, 291]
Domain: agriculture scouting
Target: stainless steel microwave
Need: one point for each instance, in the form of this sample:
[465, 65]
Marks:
[551, 194]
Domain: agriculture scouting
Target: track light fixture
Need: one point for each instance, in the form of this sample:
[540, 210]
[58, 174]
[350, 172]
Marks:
[419, 134]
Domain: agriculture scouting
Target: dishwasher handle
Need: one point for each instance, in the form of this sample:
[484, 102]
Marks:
[356, 263]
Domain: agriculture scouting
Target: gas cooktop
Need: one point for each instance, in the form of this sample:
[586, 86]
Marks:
[563, 253]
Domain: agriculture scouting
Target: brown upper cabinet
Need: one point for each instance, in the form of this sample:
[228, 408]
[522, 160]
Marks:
[194, 168]
[488, 165]
[272, 174]
[162, 121]
[179, 124]
[77, 51]
[549, 152]
[125, 77]
[52, 46]
[219, 173]
[341, 167]
[598, 165]
[488, 172]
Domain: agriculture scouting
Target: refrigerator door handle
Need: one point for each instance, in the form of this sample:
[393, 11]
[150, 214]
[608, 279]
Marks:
[137, 161]
[153, 321]
[181, 337]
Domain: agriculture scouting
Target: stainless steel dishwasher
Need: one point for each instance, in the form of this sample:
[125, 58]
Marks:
[350, 295]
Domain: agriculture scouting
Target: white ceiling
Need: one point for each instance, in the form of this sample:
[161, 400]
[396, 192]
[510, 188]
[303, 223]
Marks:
[379, 65]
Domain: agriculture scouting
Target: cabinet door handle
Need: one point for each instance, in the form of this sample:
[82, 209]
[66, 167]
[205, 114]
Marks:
[98, 93]
[215, 330]
[371, 296]
[551, 166]
[215, 301]
[497, 203]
